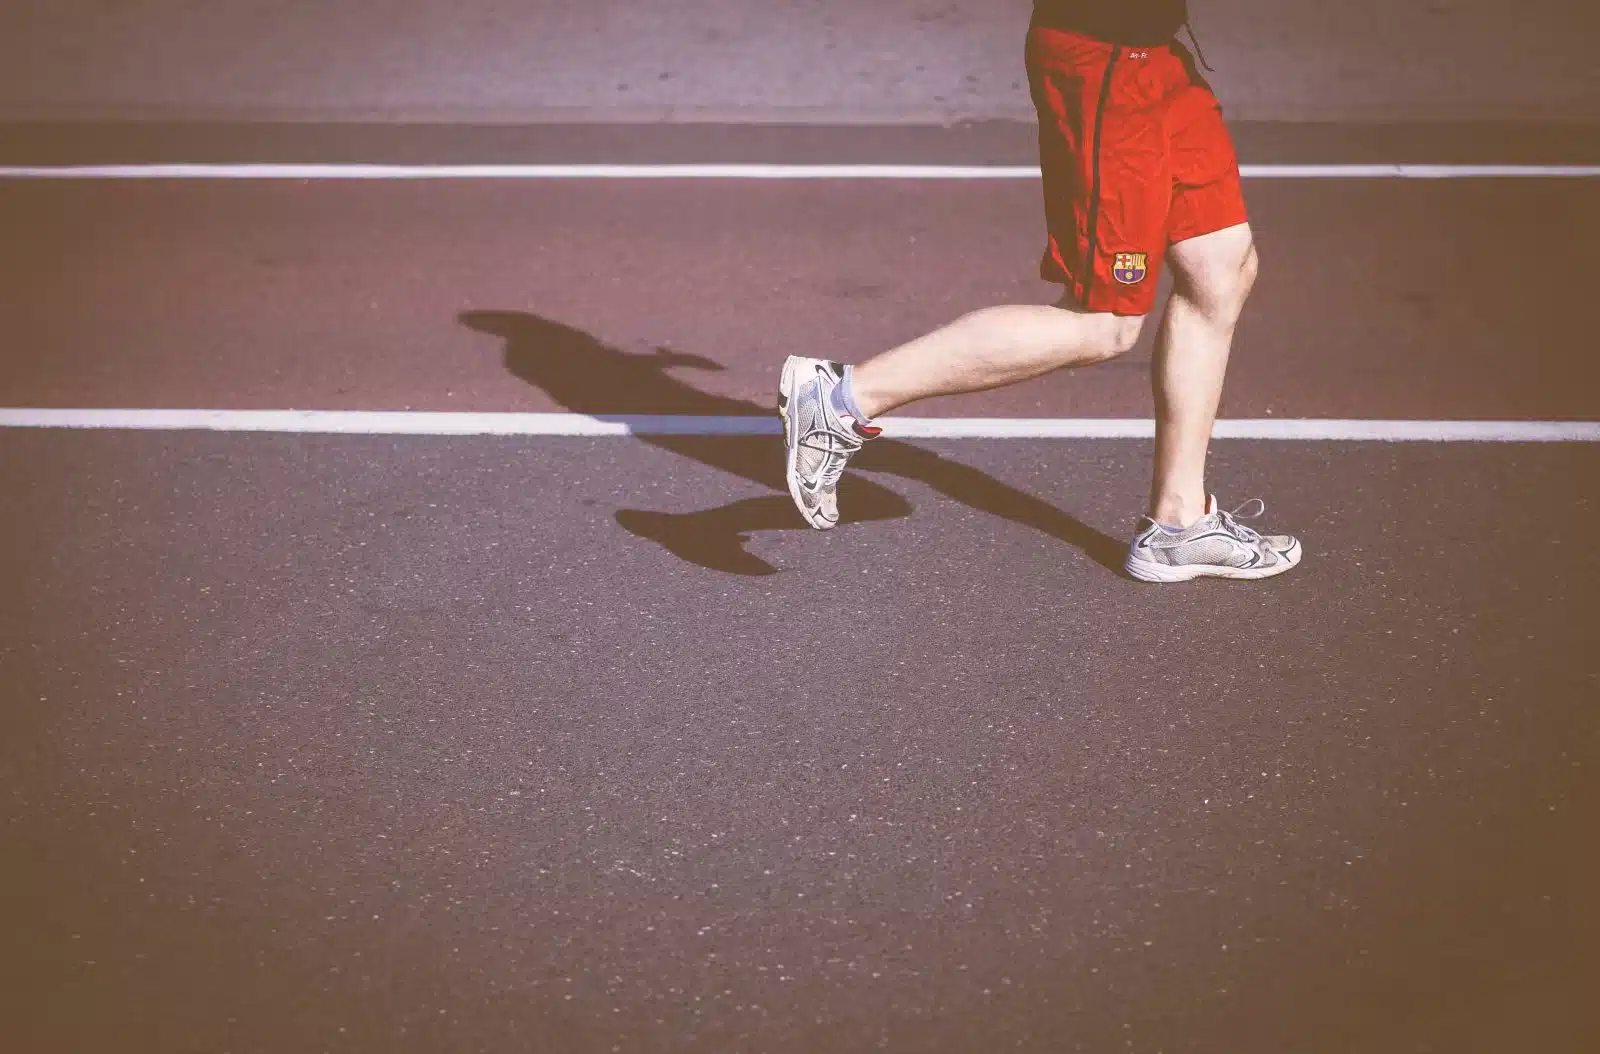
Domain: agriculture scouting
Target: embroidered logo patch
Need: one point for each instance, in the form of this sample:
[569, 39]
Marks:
[1130, 268]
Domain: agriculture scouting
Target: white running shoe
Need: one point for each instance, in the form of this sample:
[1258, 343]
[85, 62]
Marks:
[1216, 544]
[818, 441]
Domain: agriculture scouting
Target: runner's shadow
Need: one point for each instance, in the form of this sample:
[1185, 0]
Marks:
[589, 377]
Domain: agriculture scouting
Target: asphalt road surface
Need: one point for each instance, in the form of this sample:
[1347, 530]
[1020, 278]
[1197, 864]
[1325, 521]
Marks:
[401, 743]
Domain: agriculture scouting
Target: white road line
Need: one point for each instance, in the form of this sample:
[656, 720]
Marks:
[435, 423]
[740, 172]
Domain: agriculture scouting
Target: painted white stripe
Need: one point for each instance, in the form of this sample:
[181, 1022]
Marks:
[1415, 431]
[643, 172]
[1408, 171]
[433, 423]
[741, 172]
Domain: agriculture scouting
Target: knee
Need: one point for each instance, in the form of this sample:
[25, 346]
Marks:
[1231, 287]
[1238, 292]
[1221, 287]
[1095, 336]
[1248, 272]
[1114, 335]
[1123, 334]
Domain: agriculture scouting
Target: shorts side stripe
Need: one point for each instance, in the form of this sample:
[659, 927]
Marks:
[1093, 250]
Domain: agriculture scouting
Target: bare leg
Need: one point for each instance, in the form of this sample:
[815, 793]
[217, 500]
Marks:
[1212, 277]
[989, 348]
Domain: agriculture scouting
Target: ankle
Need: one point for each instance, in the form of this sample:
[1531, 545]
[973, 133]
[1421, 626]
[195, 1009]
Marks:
[1177, 510]
[843, 399]
[865, 403]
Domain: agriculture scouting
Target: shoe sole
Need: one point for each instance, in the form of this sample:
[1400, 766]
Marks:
[1147, 571]
[791, 443]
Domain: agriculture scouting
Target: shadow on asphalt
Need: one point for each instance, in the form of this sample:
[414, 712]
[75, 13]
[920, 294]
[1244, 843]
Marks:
[590, 377]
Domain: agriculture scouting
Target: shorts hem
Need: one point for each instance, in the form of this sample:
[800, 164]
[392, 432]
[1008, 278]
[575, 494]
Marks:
[1071, 289]
[1200, 230]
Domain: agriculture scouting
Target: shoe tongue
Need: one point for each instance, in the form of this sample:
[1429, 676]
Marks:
[1211, 505]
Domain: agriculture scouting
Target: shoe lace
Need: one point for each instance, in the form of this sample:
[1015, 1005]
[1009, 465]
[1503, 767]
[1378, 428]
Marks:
[1230, 520]
[836, 453]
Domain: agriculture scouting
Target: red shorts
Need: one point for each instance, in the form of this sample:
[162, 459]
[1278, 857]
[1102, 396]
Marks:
[1135, 157]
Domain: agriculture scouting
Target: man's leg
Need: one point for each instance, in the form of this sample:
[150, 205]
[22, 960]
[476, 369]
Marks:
[1074, 82]
[1212, 276]
[827, 409]
[1185, 536]
[1213, 260]
[990, 348]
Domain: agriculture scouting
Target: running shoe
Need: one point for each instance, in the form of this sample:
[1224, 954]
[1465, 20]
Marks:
[818, 441]
[1215, 545]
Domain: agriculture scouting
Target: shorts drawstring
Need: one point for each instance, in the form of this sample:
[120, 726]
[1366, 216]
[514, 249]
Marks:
[1201, 55]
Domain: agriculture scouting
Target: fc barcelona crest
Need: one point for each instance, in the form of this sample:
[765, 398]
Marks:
[1130, 268]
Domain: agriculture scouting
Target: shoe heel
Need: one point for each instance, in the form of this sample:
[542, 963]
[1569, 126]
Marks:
[786, 388]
